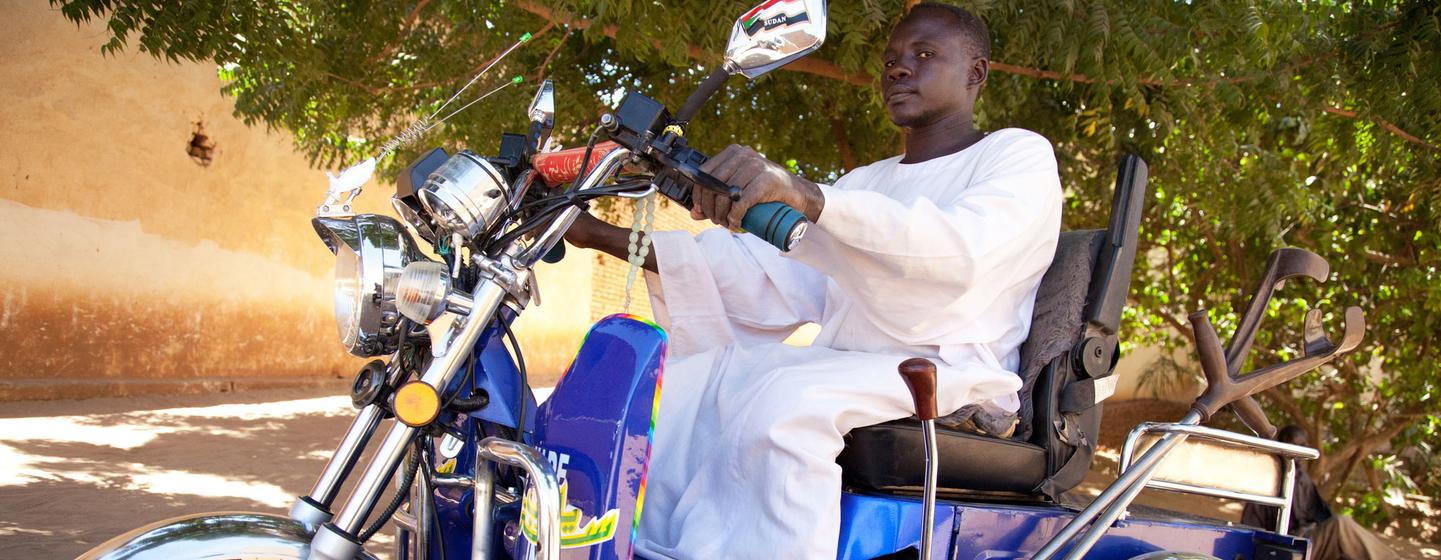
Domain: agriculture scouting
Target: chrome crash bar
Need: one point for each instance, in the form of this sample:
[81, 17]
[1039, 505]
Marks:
[543, 482]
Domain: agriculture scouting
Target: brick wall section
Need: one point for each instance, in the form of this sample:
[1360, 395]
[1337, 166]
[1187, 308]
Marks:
[608, 274]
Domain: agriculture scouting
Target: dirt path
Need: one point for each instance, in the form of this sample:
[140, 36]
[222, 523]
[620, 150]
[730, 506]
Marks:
[74, 473]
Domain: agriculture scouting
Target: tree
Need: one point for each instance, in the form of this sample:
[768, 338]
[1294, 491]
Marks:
[1266, 123]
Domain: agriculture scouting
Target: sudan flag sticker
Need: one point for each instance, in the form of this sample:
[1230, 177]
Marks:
[755, 21]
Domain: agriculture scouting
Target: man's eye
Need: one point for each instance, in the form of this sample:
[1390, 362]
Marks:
[890, 63]
[925, 54]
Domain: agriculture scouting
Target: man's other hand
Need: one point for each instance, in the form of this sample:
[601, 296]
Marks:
[760, 180]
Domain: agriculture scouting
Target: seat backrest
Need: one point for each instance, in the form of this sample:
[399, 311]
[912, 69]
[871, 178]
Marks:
[1071, 351]
[1057, 321]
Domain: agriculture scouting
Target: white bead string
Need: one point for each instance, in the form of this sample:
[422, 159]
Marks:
[641, 225]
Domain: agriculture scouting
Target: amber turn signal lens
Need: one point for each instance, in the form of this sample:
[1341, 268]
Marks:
[416, 404]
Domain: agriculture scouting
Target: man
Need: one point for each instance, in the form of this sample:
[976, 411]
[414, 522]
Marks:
[1333, 537]
[937, 253]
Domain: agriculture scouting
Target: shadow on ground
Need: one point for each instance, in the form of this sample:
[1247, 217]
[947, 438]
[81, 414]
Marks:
[75, 473]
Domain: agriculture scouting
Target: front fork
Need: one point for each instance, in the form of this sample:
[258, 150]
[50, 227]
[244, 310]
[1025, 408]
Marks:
[338, 539]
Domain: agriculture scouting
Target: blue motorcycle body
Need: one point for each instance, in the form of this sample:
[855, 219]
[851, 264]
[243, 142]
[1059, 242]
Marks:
[596, 429]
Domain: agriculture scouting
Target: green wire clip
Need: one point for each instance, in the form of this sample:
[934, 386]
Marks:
[516, 80]
[524, 38]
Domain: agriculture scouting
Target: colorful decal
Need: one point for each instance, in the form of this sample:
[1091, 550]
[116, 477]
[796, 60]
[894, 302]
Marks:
[573, 534]
[649, 438]
[447, 467]
[450, 446]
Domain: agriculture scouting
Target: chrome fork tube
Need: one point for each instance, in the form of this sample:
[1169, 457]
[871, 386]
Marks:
[313, 509]
[346, 454]
[337, 540]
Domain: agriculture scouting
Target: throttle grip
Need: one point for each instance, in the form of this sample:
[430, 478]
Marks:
[774, 222]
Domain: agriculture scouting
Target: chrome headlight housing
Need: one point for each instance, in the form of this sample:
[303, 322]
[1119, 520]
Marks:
[371, 251]
[465, 195]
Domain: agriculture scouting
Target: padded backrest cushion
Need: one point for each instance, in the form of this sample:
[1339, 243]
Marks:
[1056, 323]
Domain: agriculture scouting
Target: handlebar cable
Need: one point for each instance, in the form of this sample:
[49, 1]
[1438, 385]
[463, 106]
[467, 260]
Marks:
[524, 383]
[557, 203]
[425, 444]
[589, 146]
[401, 489]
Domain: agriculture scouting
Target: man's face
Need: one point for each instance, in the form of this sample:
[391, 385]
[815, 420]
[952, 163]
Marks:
[926, 70]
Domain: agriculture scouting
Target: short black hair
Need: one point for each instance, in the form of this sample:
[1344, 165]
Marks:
[1293, 434]
[973, 30]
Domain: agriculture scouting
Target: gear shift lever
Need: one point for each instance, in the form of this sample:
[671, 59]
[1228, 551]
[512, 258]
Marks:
[920, 377]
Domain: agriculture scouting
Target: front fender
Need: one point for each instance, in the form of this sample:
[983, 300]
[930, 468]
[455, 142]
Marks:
[212, 536]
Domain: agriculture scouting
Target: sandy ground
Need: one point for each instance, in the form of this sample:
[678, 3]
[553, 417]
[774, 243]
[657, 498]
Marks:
[74, 473]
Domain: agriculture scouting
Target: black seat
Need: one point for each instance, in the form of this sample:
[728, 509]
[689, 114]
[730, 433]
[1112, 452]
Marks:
[1066, 366]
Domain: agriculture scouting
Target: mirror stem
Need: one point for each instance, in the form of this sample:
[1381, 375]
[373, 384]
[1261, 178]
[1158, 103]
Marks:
[712, 84]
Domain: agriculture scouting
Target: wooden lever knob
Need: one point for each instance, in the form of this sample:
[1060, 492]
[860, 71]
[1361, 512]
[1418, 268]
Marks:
[920, 377]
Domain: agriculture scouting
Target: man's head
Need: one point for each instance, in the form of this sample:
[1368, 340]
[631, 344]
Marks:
[1294, 435]
[936, 61]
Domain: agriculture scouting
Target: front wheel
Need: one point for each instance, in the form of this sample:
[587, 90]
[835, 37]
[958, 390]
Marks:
[212, 536]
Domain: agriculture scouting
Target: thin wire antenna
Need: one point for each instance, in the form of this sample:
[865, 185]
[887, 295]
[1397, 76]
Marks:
[513, 81]
[523, 39]
[414, 131]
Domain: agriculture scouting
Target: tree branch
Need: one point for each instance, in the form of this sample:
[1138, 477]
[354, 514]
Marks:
[843, 143]
[828, 69]
[1393, 129]
[405, 29]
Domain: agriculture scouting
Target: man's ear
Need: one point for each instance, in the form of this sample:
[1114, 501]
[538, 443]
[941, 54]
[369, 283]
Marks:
[980, 70]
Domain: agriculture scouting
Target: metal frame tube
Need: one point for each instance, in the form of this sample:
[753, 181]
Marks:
[1135, 477]
[1287, 453]
[928, 498]
[480, 532]
[543, 481]
[1279, 448]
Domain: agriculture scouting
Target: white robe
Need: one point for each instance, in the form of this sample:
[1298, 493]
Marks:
[938, 259]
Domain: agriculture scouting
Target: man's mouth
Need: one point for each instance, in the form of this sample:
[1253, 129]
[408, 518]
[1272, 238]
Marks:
[899, 94]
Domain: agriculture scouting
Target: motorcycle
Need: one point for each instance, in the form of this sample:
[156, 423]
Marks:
[479, 469]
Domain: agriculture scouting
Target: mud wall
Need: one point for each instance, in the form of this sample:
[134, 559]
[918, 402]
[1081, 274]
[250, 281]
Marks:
[131, 266]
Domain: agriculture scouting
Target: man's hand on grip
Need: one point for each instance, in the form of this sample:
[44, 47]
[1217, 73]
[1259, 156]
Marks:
[760, 181]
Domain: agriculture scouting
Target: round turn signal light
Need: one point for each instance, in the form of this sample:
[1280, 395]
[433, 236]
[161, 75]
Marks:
[416, 404]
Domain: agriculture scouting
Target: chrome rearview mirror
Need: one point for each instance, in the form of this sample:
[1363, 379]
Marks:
[542, 114]
[774, 33]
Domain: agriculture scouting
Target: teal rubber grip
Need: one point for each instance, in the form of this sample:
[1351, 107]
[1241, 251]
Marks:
[773, 222]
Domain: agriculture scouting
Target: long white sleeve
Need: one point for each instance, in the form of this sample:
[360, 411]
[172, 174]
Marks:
[942, 258]
[720, 288]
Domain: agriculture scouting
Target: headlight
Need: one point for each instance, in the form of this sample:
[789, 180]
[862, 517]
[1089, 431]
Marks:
[370, 253]
[466, 195]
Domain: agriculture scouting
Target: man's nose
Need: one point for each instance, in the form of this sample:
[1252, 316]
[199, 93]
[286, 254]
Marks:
[897, 72]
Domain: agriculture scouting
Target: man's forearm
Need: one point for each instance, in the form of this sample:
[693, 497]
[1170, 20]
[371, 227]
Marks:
[591, 233]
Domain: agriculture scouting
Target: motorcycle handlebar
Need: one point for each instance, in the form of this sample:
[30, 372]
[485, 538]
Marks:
[775, 222]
